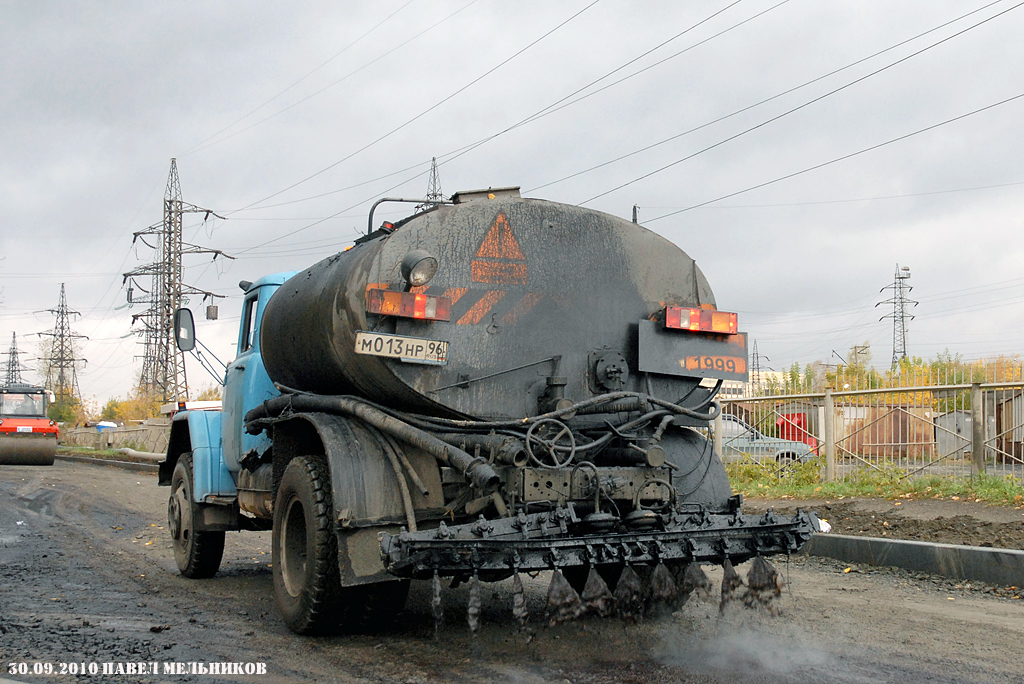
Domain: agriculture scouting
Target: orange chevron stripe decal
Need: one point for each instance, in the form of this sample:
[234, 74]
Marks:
[480, 309]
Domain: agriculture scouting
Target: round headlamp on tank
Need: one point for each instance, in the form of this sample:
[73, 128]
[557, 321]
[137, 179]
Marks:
[418, 267]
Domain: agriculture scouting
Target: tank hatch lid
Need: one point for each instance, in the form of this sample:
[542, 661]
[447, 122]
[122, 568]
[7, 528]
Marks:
[464, 196]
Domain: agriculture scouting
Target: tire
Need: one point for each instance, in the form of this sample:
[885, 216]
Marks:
[785, 462]
[305, 550]
[198, 554]
[307, 582]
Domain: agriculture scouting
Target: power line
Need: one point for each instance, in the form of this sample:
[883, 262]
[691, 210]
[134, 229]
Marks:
[560, 104]
[797, 108]
[550, 109]
[201, 145]
[855, 199]
[427, 110]
[754, 105]
[839, 159]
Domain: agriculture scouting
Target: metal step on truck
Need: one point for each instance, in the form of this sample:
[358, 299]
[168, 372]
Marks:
[493, 386]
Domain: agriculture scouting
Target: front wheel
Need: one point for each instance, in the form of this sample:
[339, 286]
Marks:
[197, 554]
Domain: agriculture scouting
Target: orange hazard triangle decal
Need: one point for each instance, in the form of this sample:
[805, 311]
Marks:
[500, 243]
[499, 258]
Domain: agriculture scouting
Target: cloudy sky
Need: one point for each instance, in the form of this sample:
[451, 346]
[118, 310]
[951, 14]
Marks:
[798, 150]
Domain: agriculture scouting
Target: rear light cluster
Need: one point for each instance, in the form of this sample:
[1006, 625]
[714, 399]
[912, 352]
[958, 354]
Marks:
[700, 320]
[408, 305]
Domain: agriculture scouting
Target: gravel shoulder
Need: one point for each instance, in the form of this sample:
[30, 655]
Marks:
[88, 574]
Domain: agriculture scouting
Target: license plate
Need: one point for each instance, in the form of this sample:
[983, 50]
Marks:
[408, 349]
[24, 428]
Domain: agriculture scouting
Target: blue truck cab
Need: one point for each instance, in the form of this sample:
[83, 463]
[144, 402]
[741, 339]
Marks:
[215, 442]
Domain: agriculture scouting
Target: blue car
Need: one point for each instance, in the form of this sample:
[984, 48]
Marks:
[740, 440]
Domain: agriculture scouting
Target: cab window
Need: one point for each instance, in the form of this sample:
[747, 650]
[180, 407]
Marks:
[249, 318]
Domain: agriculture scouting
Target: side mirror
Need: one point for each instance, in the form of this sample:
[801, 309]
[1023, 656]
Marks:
[184, 330]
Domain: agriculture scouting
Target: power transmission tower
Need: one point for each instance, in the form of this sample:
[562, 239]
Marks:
[13, 374]
[755, 372]
[163, 366]
[61, 375]
[434, 194]
[900, 302]
[434, 184]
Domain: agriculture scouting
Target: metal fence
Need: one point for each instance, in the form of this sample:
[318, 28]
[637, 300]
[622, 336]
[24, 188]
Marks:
[952, 420]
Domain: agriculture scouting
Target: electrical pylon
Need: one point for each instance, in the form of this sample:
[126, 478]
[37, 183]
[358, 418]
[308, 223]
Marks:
[163, 366]
[434, 194]
[900, 302]
[434, 184]
[13, 374]
[61, 375]
[755, 373]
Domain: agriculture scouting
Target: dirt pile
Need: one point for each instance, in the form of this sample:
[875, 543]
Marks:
[938, 521]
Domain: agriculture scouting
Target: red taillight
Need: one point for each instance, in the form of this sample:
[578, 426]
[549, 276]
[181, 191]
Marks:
[700, 320]
[408, 305]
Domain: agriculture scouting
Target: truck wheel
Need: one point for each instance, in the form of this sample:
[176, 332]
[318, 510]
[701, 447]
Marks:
[305, 550]
[197, 553]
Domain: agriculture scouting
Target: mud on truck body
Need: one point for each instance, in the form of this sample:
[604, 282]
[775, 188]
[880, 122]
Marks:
[495, 385]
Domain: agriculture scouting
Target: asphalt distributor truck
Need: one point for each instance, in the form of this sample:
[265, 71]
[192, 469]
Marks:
[493, 386]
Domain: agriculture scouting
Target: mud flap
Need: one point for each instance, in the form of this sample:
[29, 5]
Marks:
[365, 492]
[359, 558]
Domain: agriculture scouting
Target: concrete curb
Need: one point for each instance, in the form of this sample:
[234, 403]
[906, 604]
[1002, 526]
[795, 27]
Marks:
[126, 465]
[982, 564]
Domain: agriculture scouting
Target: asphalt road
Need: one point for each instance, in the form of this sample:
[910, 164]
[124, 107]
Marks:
[87, 576]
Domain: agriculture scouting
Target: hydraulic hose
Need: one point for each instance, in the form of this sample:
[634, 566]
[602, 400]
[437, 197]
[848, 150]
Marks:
[476, 470]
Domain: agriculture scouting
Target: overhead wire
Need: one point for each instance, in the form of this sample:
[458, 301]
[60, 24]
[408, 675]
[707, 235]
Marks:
[561, 103]
[201, 145]
[843, 157]
[760, 102]
[855, 199]
[428, 109]
[451, 155]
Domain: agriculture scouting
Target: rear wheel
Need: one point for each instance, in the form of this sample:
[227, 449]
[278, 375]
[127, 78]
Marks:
[307, 582]
[197, 554]
[305, 550]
